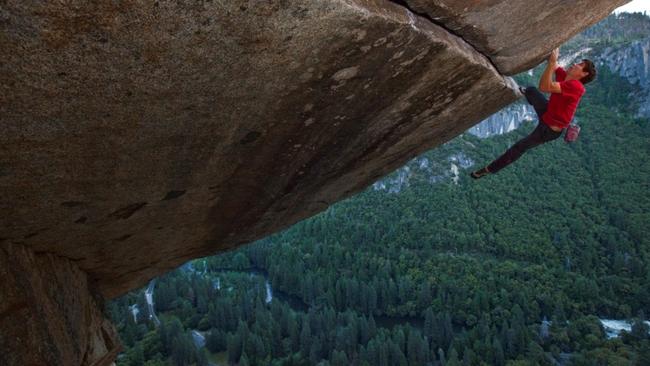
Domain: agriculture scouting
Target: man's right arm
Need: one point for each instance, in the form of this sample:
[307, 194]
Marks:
[546, 83]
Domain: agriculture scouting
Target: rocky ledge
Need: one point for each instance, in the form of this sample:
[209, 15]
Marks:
[135, 136]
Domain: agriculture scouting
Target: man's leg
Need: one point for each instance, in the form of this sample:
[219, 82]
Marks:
[536, 99]
[541, 134]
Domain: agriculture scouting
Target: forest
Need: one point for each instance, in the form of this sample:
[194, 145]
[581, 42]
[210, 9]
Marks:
[515, 269]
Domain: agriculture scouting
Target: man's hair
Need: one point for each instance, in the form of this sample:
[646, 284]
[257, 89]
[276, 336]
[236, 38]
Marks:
[591, 69]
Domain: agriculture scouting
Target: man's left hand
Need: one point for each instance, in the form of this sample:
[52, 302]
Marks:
[552, 58]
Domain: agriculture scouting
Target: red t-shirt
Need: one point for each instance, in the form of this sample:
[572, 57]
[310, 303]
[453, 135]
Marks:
[562, 106]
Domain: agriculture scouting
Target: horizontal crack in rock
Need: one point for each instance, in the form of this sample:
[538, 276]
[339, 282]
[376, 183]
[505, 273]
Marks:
[428, 17]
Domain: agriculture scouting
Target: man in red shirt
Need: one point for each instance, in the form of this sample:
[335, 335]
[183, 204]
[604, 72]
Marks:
[554, 114]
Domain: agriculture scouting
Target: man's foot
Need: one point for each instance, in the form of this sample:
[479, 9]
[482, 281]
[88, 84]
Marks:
[480, 173]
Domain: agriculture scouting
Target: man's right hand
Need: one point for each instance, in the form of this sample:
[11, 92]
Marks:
[552, 58]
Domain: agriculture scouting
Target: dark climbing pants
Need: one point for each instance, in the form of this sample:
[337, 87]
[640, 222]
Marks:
[541, 134]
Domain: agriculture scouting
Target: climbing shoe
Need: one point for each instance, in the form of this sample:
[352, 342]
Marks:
[480, 173]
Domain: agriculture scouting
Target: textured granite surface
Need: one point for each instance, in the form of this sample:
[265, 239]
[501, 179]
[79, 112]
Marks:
[48, 315]
[515, 34]
[136, 135]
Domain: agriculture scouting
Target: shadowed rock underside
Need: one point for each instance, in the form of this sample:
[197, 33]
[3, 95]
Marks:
[135, 136]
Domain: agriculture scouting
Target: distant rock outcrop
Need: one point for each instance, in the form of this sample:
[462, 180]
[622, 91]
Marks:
[135, 136]
[633, 63]
[504, 121]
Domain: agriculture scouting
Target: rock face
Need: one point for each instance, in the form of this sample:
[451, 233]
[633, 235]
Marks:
[36, 287]
[515, 34]
[135, 136]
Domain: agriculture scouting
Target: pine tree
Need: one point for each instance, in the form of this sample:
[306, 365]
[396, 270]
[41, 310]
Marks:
[243, 361]
[372, 327]
[364, 331]
[383, 355]
[497, 349]
[292, 329]
[182, 349]
[234, 347]
[414, 351]
[372, 352]
[452, 360]
[215, 341]
[468, 357]
[535, 353]
[429, 324]
[135, 355]
[315, 352]
[339, 358]
[396, 355]
[643, 354]
[372, 300]
[305, 339]
[639, 329]
[201, 358]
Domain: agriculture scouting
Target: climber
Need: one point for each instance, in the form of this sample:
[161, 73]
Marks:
[554, 114]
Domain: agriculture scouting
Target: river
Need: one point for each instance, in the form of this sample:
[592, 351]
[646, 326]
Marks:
[148, 294]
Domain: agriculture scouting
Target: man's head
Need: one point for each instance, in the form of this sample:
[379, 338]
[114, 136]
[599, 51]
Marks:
[584, 71]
